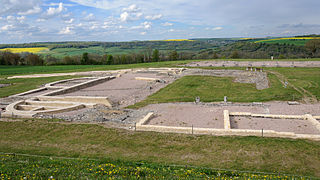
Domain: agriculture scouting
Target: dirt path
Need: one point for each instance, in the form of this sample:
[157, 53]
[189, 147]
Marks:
[307, 96]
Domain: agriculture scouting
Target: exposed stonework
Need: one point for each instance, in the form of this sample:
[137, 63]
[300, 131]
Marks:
[254, 77]
[254, 64]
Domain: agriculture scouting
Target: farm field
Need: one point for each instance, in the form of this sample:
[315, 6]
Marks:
[30, 50]
[299, 41]
[62, 52]
[116, 146]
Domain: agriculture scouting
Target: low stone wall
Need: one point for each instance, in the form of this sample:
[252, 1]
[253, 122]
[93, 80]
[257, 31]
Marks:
[226, 119]
[79, 99]
[79, 86]
[227, 131]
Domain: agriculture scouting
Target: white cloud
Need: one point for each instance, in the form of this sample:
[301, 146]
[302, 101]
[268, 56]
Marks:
[89, 17]
[217, 28]
[7, 27]
[143, 33]
[167, 24]
[34, 10]
[124, 16]
[154, 17]
[171, 30]
[11, 18]
[145, 25]
[21, 19]
[69, 21]
[20, 7]
[131, 8]
[40, 20]
[57, 4]
[55, 11]
[66, 30]
[131, 13]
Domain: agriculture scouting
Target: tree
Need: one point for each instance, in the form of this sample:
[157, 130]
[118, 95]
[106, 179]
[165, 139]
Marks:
[2, 62]
[235, 55]
[11, 58]
[34, 60]
[85, 58]
[313, 46]
[68, 60]
[109, 59]
[155, 55]
[173, 56]
[215, 55]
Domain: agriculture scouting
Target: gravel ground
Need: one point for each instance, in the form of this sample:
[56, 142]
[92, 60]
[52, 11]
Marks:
[210, 115]
[255, 77]
[297, 126]
[254, 64]
[126, 90]
[198, 115]
[100, 114]
[4, 85]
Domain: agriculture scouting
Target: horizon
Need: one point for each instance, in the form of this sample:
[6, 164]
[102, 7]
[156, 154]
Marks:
[125, 21]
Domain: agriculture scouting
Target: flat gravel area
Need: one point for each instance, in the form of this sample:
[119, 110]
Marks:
[297, 126]
[210, 115]
[125, 90]
[188, 114]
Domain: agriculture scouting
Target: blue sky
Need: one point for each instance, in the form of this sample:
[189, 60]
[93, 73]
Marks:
[124, 20]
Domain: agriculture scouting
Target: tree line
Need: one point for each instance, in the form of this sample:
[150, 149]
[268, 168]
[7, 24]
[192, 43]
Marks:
[233, 51]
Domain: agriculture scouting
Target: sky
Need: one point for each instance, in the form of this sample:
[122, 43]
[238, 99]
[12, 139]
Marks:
[23, 21]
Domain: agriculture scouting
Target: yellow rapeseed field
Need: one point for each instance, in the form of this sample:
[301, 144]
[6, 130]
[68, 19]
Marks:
[178, 40]
[30, 50]
[290, 38]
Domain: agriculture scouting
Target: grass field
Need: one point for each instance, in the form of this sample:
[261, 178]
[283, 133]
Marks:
[23, 85]
[300, 157]
[303, 78]
[211, 89]
[30, 50]
[61, 168]
[129, 154]
[17, 70]
[62, 52]
[300, 41]
[6, 71]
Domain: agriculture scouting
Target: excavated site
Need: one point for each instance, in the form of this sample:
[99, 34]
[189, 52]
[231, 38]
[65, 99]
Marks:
[102, 97]
[254, 64]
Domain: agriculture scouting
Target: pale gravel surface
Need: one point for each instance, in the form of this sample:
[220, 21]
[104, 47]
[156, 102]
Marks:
[297, 126]
[210, 115]
[126, 90]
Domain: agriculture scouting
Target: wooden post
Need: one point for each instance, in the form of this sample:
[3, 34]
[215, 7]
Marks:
[192, 129]
[262, 132]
